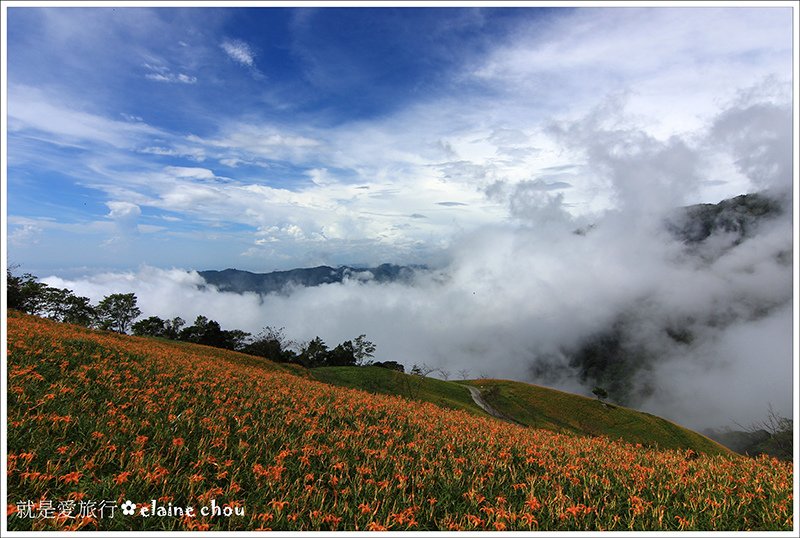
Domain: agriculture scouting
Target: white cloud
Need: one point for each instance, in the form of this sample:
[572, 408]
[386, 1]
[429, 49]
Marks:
[172, 77]
[32, 110]
[364, 195]
[176, 150]
[131, 118]
[189, 172]
[677, 63]
[161, 73]
[456, 147]
[24, 234]
[239, 51]
[123, 210]
[125, 216]
[243, 143]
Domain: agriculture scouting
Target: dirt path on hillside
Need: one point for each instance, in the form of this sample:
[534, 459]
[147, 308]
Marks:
[480, 402]
[478, 399]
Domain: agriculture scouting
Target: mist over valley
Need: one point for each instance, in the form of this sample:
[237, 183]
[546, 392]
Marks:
[691, 321]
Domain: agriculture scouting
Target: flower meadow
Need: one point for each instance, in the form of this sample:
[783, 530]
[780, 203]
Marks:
[135, 421]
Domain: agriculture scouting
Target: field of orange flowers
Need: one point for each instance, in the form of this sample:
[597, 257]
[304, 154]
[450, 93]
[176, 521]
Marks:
[96, 417]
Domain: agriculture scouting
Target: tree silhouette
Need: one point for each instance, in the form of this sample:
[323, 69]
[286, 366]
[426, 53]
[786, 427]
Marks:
[116, 312]
[600, 393]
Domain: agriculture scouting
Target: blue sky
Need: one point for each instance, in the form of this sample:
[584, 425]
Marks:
[270, 138]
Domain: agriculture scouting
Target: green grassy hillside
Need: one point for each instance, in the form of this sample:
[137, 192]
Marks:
[551, 409]
[385, 381]
[528, 405]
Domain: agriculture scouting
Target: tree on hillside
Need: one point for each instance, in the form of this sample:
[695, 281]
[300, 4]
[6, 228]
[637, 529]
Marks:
[53, 303]
[600, 393]
[25, 293]
[152, 326]
[272, 344]
[314, 354]
[202, 331]
[172, 327]
[235, 339]
[342, 355]
[64, 306]
[78, 310]
[390, 365]
[416, 378]
[155, 326]
[363, 350]
[209, 333]
[780, 442]
[116, 312]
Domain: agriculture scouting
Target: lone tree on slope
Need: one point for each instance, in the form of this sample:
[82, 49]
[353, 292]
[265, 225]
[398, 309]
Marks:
[600, 393]
[117, 311]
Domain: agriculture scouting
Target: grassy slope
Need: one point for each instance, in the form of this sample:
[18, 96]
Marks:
[550, 409]
[385, 381]
[527, 404]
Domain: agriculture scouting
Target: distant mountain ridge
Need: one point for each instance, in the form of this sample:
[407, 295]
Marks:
[238, 281]
[738, 216]
[693, 225]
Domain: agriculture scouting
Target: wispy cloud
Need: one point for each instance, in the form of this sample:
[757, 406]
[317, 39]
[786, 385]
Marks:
[239, 51]
[171, 77]
[32, 110]
[177, 150]
[24, 234]
[162, 73]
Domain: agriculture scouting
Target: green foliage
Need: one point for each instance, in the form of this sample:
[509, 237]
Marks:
[157, 327]
[172, 328]
[78, 311]
[314, 354]
[27, 294]
[271, 343]
[116, 312]
[391, 365]
[64, 306]
[152, 326]
[341, 355]
[363, 350]
[600, 393]
[209, 333]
